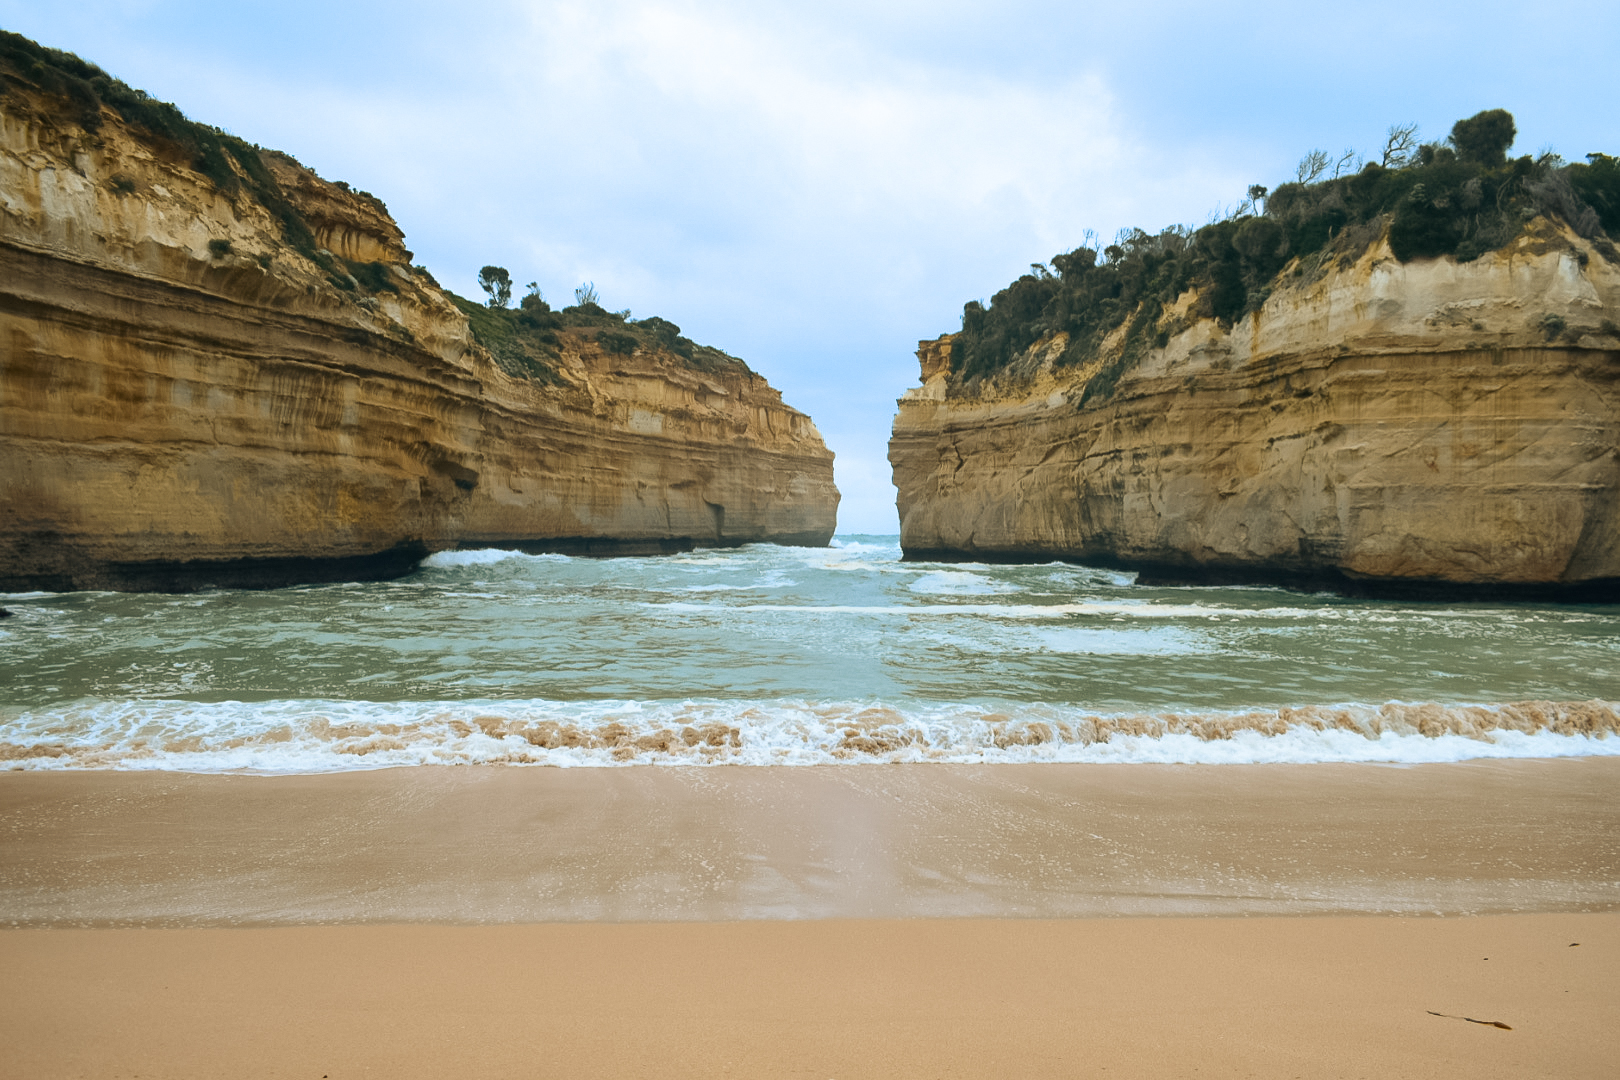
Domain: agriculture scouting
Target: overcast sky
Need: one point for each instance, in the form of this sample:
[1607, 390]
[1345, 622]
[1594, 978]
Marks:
[816, 187]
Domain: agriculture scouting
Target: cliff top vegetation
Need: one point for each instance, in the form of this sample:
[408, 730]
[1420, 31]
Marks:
[524, 342]
[527, 341]
[232, 164]
[1459, 198]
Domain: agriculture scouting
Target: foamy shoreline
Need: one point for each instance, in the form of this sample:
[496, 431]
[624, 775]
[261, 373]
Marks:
[335, 736]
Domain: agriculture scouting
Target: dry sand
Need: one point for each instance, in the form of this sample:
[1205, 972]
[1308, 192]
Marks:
[839, 999]
[841, 979]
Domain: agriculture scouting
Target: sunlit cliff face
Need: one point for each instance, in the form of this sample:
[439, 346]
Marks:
[1373, 421]
[188, 399]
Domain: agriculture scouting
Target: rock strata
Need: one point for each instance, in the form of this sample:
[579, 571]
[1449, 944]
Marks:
[187, 398]
[1379, 427]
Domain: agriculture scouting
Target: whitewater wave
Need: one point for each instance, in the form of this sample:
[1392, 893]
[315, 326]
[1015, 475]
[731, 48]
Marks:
[960, 583]
[324, 736]
[452, 560]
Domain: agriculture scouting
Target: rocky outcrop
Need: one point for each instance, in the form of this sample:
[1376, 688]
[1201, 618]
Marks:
[189, 398]
[1374, 426]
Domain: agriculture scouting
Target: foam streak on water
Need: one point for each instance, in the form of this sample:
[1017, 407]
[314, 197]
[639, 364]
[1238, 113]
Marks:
[797, 656]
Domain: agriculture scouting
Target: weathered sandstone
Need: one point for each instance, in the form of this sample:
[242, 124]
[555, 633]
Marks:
[175, 414]
[1377, 427]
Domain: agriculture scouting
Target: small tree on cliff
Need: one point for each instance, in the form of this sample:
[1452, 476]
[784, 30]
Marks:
[1400, 146]
[1484, 138]
[498, 283]
[533, 301]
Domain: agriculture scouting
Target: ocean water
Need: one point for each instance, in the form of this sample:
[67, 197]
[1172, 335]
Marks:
[767, 655]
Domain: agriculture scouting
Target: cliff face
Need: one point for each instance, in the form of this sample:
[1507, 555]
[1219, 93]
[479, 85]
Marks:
[1374, 426]
[187, 399]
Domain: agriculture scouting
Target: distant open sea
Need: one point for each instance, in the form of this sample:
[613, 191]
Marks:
[768, 655]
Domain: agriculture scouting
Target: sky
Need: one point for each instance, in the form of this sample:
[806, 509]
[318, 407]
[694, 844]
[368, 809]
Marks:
[817, 187]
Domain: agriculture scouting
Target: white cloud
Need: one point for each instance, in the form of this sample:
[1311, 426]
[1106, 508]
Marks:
[792, 191]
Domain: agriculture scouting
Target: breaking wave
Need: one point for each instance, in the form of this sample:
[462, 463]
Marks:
[451, 560]
[324, 736]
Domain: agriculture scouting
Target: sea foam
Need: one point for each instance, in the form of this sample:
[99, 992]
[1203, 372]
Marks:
[450, 560]
[322, 736]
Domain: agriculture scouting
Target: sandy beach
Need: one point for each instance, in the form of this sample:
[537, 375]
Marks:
[1170, 997]
[513, 845]
[879, 921]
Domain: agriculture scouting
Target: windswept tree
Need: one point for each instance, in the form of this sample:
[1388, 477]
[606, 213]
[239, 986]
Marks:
[1400, 146]
[1311, 167]
[498, 283]
[586, 294]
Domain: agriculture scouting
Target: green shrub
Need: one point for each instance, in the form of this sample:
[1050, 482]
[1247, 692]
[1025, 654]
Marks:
[666, 335]
[230, 163]
[373, 276]
[495, 281]
[1598, 185]
[1460, 201]
[219, 248]
[616, 342]
[1550, 325]
[533, 318]
[533, 302]
[1484, 138]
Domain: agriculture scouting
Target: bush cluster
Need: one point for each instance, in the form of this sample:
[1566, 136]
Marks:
[1459, 199]
[372, 276]
[526, 342]
[232, 164]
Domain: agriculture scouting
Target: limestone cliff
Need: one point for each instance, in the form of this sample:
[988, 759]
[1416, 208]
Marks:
[1372, 425]
[225, 371]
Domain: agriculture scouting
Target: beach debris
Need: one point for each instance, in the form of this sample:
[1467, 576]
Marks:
[1471, 1020]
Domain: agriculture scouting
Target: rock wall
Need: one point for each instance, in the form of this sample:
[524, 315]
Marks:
[1374, 427]
[176, 413]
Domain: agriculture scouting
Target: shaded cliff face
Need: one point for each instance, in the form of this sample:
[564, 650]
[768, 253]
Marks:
[1374, 426]
[188, 399]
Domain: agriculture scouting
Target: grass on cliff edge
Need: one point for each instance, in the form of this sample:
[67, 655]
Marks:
[233, 165]
[525, 342]
[1459, 199]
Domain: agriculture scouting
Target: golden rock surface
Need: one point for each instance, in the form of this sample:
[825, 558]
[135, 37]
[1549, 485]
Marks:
[175, 414]
[1372, 423]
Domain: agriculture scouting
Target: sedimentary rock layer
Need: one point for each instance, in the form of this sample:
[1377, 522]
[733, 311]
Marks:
[1377, 426]
[185, 399]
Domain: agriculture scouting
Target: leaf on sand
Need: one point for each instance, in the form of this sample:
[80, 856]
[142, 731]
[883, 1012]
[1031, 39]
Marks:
[1471, 1020]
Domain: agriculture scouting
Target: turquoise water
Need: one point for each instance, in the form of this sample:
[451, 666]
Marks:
[776, 655]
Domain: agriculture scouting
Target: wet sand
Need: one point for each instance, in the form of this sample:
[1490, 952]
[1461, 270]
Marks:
[510, 845]
[765, 922]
